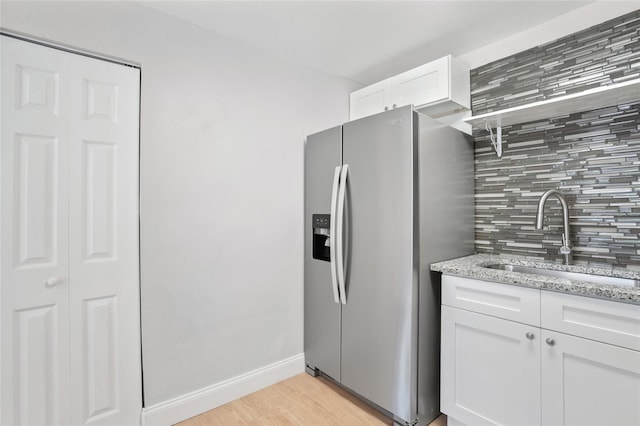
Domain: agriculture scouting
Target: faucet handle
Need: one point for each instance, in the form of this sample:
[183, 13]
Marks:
[565, 249]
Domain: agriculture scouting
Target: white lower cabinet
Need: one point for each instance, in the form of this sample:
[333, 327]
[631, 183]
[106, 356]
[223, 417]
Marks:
[490, 369]
[498, 371]
[585, 382]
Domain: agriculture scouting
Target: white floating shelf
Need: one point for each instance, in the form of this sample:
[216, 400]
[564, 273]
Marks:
[599, 97]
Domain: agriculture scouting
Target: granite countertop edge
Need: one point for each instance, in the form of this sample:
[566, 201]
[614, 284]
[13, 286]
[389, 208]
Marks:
[472, 267]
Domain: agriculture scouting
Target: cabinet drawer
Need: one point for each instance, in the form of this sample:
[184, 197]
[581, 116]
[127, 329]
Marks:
[500, 300]
[602, 320]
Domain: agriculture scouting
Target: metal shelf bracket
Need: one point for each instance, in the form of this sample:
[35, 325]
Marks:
[497, 140]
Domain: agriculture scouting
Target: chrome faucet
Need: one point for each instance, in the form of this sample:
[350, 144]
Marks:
[565, 250]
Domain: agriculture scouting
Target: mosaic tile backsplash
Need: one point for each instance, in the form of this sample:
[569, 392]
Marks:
[592, 157]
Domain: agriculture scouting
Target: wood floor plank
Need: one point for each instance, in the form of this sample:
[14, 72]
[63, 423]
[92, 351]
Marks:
[300, 400]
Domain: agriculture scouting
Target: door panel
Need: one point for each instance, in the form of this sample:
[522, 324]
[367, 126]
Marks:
[100, 100]
[100, 369]
[321, 313]
[99, 219]
[34, 271]
[38, 89]
[379, 321]
[36, 398]
[105, 298]
[36, 199]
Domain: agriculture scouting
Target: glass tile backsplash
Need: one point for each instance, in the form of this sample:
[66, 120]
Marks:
[592, 157]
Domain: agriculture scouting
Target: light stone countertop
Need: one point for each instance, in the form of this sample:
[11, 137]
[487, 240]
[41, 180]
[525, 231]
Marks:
[471, 267]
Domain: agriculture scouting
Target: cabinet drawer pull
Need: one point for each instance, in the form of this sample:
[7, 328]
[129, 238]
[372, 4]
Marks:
[530, 335]
[550, 341]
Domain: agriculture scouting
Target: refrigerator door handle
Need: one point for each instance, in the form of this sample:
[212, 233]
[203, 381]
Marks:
[339, 243]
[332, 234]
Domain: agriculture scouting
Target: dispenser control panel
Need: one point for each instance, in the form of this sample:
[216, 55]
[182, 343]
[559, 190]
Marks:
[321, 220]
[321, 241]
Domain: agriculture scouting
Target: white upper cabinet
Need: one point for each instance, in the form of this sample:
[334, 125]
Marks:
[438, 88]
[371, 99]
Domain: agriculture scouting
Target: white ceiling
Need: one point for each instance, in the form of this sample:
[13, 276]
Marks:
[366, 41]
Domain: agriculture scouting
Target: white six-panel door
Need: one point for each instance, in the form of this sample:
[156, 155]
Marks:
[69, 288]
[34, 291]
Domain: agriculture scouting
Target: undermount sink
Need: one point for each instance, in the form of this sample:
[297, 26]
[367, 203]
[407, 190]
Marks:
[598, 279]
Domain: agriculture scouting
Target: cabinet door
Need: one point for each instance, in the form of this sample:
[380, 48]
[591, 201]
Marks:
[370, 100]
[585, 382]
[490, 369]
[422, 85]
[34, 280]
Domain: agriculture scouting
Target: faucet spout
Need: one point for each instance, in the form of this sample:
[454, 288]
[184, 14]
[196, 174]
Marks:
[565, 250]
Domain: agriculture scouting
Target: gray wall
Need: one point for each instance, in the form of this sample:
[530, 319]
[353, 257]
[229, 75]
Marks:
[223, 128]
[592, 157]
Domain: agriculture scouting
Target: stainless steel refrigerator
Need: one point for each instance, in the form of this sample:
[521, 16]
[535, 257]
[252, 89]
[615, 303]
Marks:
[385, 196]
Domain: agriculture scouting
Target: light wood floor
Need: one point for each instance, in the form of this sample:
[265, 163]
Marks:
[300, 400]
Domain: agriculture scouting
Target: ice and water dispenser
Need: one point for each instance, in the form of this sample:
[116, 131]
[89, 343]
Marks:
[321, 241]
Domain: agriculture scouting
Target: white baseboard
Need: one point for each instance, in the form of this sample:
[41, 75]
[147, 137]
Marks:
[194, 403]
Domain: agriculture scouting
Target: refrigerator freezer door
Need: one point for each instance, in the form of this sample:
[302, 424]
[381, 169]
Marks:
[379, 320]
[321, 313]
